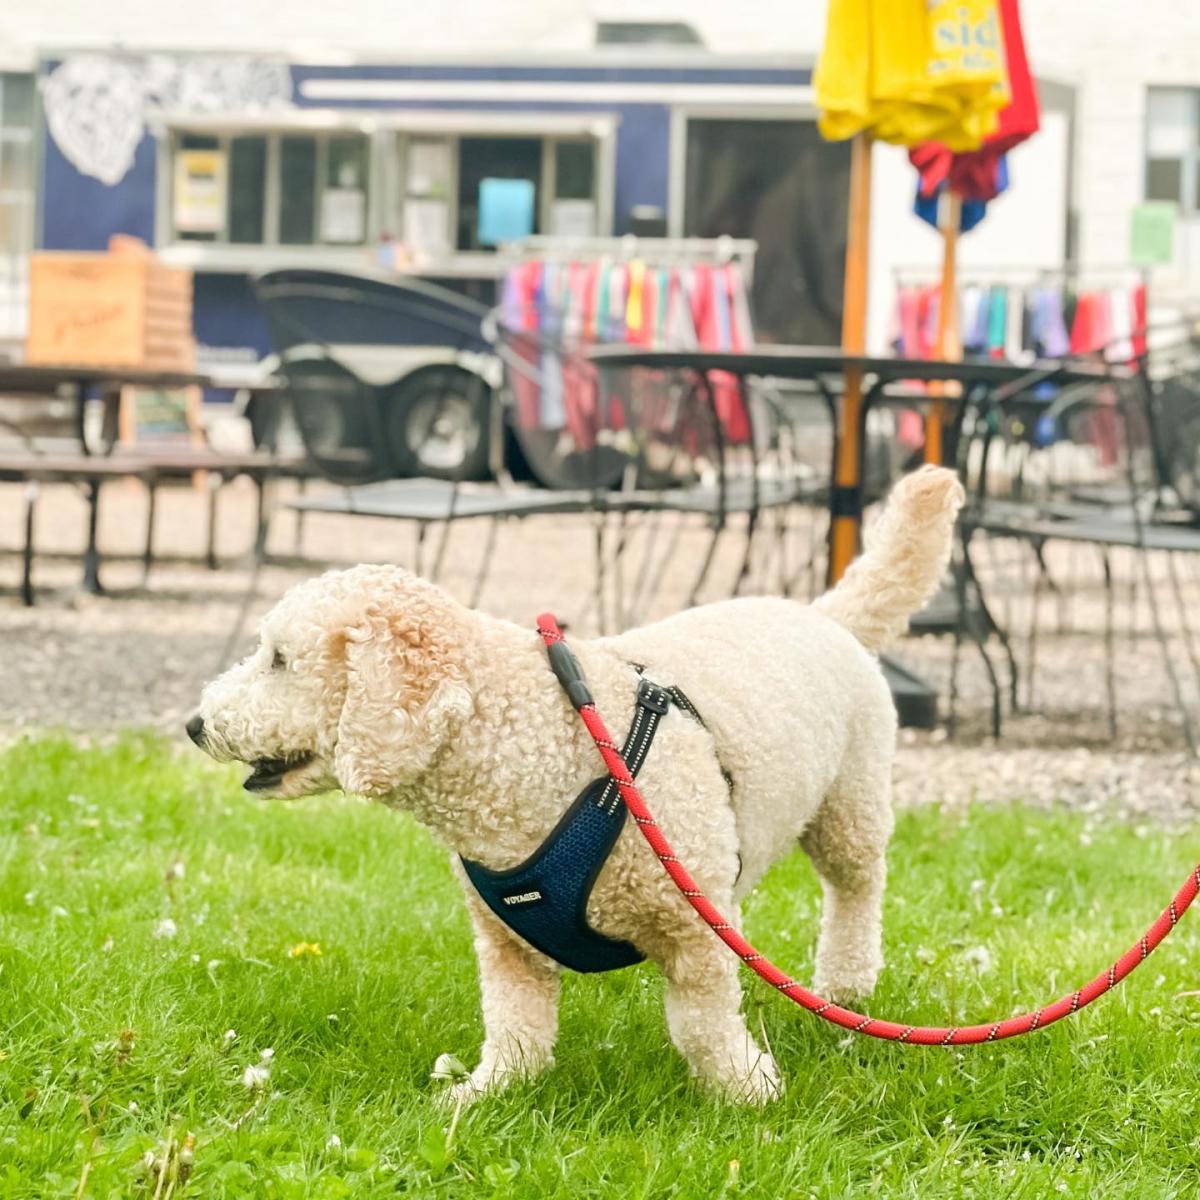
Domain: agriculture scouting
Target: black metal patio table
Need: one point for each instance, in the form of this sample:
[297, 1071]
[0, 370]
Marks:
[54, 380]
[984, 383]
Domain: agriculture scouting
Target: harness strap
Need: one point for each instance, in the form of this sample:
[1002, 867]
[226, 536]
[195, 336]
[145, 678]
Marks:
[544, 899]
[652, 704]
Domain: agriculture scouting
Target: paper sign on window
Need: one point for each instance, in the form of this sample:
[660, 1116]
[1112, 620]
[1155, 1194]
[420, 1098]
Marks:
[505, 210]
[201, 182]
[426, 228]
[343, 215]
[1152, 234]
[573, 218]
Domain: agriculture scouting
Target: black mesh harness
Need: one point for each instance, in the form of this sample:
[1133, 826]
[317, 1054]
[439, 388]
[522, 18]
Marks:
[544, 899]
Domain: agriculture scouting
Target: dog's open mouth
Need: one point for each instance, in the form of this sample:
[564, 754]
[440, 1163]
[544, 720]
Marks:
[269, 772]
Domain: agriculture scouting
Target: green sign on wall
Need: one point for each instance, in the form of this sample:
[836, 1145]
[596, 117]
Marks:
[1152, 233]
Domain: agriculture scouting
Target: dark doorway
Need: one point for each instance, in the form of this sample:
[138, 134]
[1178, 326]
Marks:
[493, 158]
[780, 183]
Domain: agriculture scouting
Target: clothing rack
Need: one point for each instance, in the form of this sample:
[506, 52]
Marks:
[559, 294]
[1025, 312]
[1099, 274]
[650, 250]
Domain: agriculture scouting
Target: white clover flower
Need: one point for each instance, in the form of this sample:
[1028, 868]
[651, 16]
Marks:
[166, 928]
[255, 1077]
[334, 1142]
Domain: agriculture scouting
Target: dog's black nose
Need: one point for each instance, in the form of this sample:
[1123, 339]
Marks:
[195, 729]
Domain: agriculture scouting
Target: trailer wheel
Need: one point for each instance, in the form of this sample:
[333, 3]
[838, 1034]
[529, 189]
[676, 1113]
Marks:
[437, 422]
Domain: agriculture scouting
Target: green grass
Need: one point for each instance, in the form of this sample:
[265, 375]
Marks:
[1104, 1105]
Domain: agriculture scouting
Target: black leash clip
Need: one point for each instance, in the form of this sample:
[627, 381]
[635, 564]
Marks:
[566, 667]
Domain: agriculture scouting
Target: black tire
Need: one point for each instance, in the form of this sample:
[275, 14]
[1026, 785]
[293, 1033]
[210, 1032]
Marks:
[1178, 432]
[337, 415]
[437, 421]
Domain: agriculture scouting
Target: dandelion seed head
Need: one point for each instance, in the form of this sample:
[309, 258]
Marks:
[979, 958]
[447, 1066]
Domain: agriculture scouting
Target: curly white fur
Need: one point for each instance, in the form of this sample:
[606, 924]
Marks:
[399, 693]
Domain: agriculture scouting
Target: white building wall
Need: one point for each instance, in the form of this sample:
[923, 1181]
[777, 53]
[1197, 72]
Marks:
[1112, 51]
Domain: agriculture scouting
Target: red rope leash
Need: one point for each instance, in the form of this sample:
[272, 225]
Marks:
[918, 1035]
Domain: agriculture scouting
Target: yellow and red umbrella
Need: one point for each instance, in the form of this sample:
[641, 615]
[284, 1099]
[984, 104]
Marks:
[908, 72]
[975, 176]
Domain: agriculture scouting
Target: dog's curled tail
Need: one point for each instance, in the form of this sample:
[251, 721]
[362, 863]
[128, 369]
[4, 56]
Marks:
[907, 549]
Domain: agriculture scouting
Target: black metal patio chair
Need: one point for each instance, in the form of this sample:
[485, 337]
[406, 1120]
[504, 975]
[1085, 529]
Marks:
[1102, 467]
[649, 444]
[417, 445]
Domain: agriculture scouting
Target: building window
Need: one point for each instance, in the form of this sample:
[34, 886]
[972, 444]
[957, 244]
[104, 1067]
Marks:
[455, 196]
[270, 189]
[1173, 146]
[16, 198]
[483, 159]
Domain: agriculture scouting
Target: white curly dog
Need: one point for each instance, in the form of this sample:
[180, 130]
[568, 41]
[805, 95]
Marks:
[377, 682]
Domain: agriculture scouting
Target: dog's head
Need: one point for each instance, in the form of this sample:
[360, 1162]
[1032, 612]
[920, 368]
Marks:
[359, 679]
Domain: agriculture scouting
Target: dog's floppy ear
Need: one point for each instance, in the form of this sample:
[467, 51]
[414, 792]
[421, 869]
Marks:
[406, 692]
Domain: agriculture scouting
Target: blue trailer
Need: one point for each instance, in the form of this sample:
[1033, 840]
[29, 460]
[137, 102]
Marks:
[234, 166]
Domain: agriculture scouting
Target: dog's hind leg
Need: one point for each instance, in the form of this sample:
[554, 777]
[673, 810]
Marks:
[703, 1003]
[847, 842]
[520, 1006]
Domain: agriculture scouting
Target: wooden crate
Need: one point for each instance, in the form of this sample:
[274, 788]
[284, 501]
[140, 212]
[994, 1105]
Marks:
[121, 309]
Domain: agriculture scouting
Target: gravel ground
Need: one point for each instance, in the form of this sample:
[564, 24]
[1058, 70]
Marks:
[140, 655]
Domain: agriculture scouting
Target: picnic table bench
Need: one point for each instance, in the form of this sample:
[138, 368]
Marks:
[151, 468]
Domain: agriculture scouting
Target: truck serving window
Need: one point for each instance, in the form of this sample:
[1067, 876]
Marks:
[290, 189]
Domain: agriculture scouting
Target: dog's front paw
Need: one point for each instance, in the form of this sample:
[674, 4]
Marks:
[467, 1087]
[847, 986]
[755, 1083]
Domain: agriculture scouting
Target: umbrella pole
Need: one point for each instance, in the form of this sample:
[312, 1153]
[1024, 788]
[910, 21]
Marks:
[846, 494]
[949, 347]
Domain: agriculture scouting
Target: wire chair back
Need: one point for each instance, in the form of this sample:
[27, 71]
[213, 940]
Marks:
[315, 318]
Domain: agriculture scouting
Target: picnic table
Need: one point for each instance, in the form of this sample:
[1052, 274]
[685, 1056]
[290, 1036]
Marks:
[93, 464]
[77, 382]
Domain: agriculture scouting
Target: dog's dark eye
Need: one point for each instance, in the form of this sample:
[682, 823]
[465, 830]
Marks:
[278, 662]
